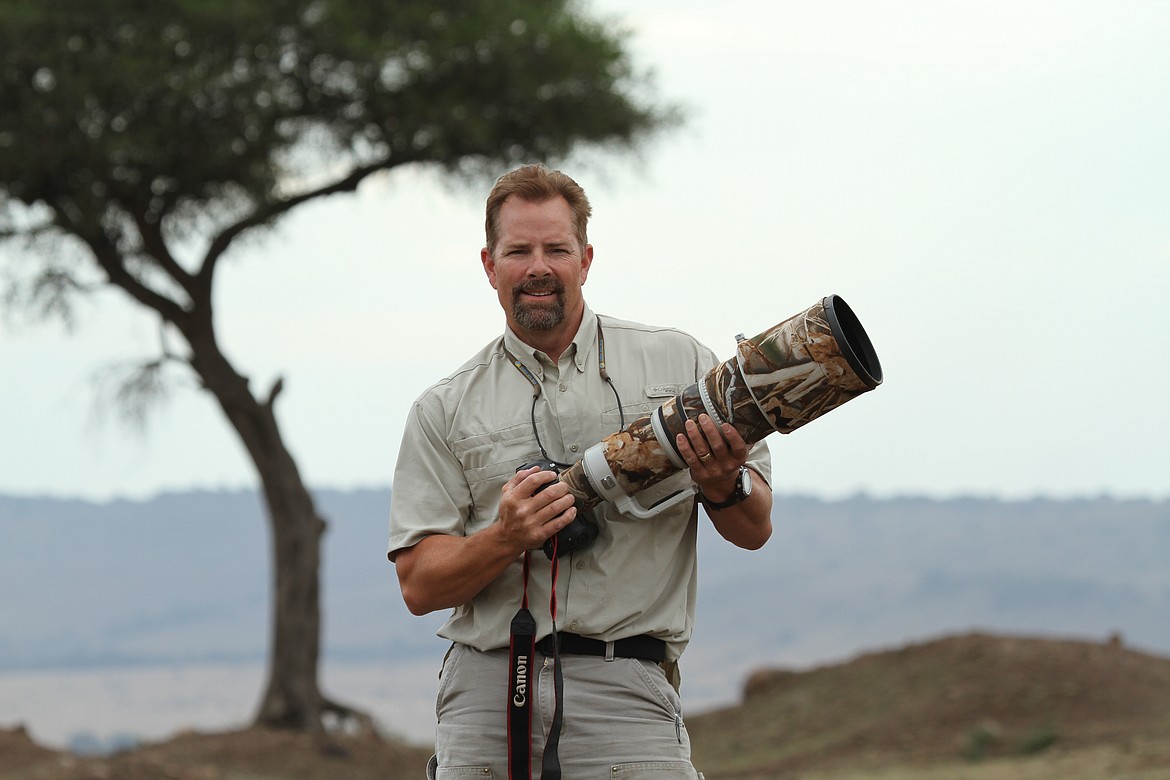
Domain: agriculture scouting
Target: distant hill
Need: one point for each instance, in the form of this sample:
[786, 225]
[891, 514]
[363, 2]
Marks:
[955, 700]
[185, 577]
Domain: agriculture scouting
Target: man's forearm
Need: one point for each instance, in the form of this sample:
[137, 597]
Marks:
[441, 571]
[747, 524]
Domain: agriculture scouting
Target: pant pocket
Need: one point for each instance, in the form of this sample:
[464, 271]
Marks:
[653, 770]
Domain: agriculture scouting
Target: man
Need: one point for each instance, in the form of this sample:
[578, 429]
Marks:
[463, 518]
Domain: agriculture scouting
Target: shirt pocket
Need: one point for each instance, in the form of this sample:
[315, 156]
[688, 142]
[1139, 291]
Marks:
[489, 460]
[643, 405]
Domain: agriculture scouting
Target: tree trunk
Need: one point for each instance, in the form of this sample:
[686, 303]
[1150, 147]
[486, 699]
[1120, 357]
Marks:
[292, 698]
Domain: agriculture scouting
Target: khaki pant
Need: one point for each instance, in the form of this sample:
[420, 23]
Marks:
[622, 719]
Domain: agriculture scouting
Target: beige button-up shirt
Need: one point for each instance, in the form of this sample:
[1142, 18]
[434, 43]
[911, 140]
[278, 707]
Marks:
[466, 436]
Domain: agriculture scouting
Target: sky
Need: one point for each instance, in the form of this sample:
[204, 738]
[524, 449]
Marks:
[987, 184]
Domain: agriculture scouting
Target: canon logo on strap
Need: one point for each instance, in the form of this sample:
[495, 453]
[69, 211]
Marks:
[520, 692]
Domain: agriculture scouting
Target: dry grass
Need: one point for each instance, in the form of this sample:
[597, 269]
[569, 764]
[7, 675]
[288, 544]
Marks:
[1148, 760]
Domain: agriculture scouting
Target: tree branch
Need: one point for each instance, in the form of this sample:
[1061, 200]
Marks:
[275, 208]
[156, 246]
[112, 262]
[277, 386]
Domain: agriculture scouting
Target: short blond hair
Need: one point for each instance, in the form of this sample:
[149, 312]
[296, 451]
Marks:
[537, 183]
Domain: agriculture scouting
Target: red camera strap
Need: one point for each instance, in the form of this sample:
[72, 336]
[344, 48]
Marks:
[551, 765]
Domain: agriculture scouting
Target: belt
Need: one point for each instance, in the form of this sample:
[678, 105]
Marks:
[646, 647]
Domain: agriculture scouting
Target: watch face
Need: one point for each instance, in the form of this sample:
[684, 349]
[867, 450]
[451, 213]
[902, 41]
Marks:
[745, 478]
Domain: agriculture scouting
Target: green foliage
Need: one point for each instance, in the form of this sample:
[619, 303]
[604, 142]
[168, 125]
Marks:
[979, 741]
[982, 740]
[131, 124]
[1037, 740]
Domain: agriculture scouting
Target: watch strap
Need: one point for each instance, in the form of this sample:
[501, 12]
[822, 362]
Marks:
[737, 495]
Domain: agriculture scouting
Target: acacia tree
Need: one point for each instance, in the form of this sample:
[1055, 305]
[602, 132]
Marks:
[139, 142]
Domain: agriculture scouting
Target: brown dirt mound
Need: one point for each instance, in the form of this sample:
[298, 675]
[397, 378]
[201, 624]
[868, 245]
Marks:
[251, 754]
[19, 751]
[965, 697]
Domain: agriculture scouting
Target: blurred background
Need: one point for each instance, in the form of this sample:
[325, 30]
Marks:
[987, 184]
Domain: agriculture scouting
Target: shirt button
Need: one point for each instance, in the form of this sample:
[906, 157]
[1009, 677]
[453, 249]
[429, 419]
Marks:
[572, 448]
[580, 564]
[574, 625]
[645, 407]
[562, 387]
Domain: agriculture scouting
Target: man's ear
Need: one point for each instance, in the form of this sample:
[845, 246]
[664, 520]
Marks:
[586, 262]
[489, 266]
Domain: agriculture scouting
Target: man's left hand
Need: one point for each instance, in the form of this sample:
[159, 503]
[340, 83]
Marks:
[715, 454]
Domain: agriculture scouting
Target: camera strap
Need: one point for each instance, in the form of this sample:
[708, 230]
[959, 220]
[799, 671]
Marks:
[532, 380]
[550, 768]
[523, 655]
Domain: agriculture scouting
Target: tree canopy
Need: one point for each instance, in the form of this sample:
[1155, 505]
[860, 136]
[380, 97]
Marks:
[141, 124]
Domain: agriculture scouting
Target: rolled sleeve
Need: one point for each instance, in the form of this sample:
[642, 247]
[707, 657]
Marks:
[430, 494]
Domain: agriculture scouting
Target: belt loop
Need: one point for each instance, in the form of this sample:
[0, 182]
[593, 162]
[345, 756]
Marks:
[609, 651]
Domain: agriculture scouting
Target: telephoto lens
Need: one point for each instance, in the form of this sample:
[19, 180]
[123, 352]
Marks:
[783, 378]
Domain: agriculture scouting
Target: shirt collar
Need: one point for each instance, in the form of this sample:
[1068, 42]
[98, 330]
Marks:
[583, 345]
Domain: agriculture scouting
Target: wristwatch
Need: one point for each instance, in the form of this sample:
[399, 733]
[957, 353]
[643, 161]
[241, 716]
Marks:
[743, 489]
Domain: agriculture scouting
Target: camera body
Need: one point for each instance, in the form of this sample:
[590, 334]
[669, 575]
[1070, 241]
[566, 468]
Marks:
[578, 534]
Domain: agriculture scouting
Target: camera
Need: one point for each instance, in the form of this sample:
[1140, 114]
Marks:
[578, 534]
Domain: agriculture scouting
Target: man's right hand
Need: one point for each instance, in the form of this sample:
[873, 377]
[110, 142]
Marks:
[443, 571]
[533, 507]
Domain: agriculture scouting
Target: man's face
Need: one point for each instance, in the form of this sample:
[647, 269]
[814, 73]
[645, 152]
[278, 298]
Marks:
[538, 269]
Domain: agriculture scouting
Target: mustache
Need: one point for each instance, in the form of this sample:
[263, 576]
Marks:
[540, 286]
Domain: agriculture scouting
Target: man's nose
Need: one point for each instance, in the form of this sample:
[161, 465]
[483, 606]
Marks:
[539, 265]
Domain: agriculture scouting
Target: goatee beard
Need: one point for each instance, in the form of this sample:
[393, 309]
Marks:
[539, 316]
